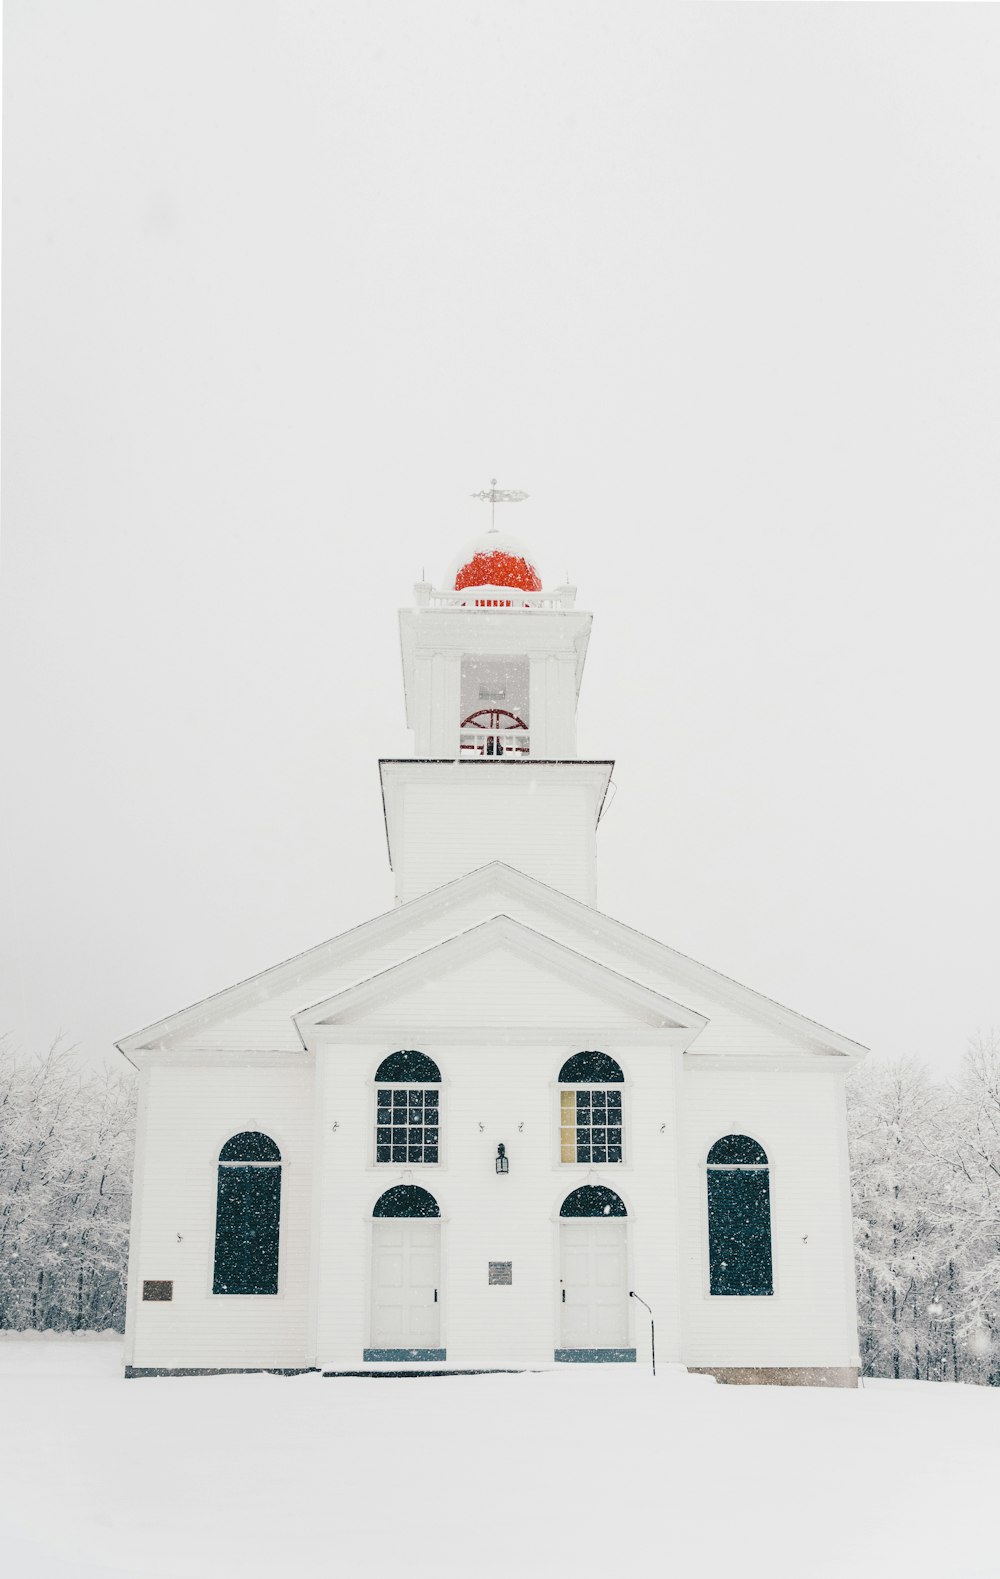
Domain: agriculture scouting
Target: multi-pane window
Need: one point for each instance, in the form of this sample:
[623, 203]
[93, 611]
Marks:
[407, 1117]
[590, 1114]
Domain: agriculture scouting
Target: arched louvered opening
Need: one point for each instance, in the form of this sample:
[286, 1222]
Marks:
[406, 1200]
[593, 1200]
[247, 1215]
[590, 1109]
[739, 1217]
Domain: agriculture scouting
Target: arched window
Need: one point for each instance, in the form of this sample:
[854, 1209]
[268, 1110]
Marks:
[590, 1119]
[739, 1217]
[406, 1200]
[407, 1108]
[247, 1215]
[593, 1200]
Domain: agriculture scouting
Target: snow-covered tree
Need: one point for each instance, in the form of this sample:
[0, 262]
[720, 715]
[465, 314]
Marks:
[66, 1137]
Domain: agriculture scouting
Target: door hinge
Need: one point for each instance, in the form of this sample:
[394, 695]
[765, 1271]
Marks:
[435, 1296]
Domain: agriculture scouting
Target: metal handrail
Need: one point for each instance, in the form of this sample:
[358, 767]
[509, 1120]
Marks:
[652, 1324]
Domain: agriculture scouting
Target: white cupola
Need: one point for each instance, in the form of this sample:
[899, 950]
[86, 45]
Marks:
[492, 666]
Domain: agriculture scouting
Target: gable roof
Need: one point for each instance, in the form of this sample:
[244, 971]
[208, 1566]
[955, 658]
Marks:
[537, 954]
[352, 951]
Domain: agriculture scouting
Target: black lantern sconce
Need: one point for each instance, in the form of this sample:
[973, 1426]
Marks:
[503, 1162]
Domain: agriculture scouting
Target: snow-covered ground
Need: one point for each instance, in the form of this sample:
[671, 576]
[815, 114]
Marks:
[587, 1471]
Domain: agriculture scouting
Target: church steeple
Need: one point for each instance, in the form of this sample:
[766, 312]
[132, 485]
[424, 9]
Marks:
[492, 671]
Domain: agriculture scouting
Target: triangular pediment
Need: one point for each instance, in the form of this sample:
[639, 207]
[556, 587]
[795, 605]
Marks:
[258, 1014]
[501, 976]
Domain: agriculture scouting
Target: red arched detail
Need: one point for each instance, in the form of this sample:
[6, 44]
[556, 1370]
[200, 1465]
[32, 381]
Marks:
[493, 718]
[495, 722]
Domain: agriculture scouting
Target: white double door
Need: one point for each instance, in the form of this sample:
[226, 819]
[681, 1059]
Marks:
[406, 1283]
[594, 1271]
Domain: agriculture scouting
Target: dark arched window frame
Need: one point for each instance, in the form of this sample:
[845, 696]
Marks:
[593, 1200]
[406, 1200]
[247, 1215]
[740, 1260]
[407, 1111]
[591, 1110]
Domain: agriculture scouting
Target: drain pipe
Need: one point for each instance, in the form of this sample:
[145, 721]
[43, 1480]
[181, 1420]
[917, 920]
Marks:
[652, 1324]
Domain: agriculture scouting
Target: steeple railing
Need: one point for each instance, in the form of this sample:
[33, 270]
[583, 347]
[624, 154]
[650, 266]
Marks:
[495, 743]
[494, 598]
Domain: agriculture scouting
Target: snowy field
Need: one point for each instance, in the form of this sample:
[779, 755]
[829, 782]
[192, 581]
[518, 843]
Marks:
[587, 1471]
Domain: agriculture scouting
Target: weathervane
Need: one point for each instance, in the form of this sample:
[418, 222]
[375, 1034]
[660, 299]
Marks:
[498, 496]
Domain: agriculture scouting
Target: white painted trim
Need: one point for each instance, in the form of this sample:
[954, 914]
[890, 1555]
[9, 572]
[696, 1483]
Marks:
[655, 1009]
[498, 875]
[322, 1037]
[133, 1278]
[220, 1058]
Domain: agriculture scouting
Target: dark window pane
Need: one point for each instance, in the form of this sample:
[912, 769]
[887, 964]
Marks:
[595, 1068]
[398, 1153]
[416, 1136]
[415, 1154]
[739, 1231]
[582, 1153]
[614, 1100]
[614, 1137]
[600, 1154]
[614, 1154]
[399, 1099]
[582, 1099]
[407, 1066]
[383, 1136]
[593, 1200]
[248, 1208]
[431, 1154]
[416, 1098]
[599, 1136]
[430, 1115]
[250, 1146]
[382, 1153]
[406, 1200]
[431, 1137]
[737, 1149]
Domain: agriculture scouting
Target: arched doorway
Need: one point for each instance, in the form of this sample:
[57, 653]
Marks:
[406, 1276]
[593, 1268]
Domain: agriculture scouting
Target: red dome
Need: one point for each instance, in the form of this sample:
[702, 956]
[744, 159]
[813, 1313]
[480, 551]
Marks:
[495, 561]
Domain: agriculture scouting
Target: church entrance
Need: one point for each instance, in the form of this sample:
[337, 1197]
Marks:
[593, 1253]
[406, 1277]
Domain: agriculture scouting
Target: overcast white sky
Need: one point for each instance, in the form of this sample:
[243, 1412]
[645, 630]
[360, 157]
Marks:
[717, 285]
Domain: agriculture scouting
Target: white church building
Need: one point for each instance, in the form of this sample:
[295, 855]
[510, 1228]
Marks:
[492, 1129]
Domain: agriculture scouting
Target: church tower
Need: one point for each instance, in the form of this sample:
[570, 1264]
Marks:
[492, 667]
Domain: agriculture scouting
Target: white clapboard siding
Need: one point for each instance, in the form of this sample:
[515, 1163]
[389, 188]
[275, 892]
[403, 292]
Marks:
[188, 1113]
[498, 985]
[546, 828]
[799, 1120]
[516, 1217]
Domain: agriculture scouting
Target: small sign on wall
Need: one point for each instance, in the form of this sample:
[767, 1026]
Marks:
[501, 1271]
[158, 1289]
